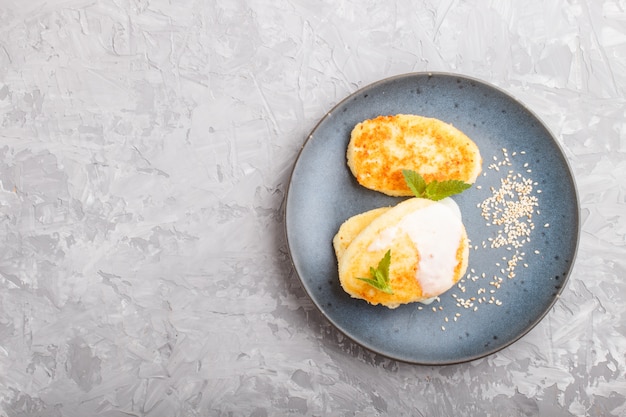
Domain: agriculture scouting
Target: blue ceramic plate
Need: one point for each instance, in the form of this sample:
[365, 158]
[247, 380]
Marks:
[488, 310]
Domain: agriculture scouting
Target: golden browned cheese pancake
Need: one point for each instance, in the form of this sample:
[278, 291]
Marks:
[428, 245]
[382, 147]
[352, 227]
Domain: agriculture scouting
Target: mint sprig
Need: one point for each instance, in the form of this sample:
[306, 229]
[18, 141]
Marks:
[379, 277]
[434, 190]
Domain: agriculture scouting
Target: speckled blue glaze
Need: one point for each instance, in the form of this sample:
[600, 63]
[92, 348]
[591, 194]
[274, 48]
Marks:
[323, 193]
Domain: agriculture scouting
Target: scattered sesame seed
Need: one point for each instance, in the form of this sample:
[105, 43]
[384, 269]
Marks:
[509, 211]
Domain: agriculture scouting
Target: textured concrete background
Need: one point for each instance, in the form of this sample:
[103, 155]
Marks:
[146, 147]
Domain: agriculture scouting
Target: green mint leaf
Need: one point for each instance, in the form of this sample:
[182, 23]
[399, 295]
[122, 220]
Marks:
[383, 266]
[434, 190]
[376, 284]
[438, 190]
[380, 276]
[415, 182]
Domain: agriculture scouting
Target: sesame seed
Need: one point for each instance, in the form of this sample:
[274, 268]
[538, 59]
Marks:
[509, 213]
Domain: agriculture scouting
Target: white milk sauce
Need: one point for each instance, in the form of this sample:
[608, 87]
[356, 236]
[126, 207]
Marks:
[436, 231]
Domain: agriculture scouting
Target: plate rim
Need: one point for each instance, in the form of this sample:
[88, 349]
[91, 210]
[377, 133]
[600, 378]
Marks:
[418, 74]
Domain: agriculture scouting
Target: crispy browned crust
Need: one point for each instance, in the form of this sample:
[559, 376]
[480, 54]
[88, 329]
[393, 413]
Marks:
[382, 147]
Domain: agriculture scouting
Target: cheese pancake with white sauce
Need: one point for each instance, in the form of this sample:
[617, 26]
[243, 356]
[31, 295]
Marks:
[429, 252]
[382, 147]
